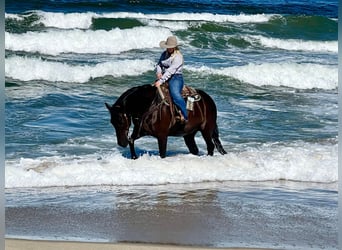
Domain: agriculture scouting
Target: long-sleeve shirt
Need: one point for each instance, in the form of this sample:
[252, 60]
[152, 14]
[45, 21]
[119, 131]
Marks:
[169, 65]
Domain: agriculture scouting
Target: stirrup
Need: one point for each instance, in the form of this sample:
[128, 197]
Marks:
[180, 118]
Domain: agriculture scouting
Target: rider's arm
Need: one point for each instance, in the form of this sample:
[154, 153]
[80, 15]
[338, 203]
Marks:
[159, 70]
[176, 66]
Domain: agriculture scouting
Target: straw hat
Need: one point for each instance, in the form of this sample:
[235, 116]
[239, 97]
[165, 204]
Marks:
[171, 42]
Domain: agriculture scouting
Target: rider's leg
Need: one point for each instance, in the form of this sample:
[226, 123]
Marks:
[176, 84]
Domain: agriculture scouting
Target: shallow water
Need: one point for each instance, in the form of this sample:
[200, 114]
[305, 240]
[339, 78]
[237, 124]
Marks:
[280, 215]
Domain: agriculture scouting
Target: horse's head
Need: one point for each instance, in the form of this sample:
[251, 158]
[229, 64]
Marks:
[121, 122]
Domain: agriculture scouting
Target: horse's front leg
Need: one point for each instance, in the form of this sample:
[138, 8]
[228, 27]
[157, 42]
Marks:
[133, 137]
[132, 149]
[162, 143]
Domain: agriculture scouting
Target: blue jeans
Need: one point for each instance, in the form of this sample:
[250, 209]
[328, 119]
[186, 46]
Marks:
[176, 84]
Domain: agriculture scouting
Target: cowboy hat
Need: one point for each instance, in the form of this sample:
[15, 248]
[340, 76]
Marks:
[171, 42]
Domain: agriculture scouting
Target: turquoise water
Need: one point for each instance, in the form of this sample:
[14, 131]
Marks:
[270, 66]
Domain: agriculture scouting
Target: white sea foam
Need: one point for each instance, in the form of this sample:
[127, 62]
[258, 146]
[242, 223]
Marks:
[66, 20]
[54, 42]
[183, 16]
[298, 162]
[171, 25]
[295, 44]
[300, 76]
[14, 16]
[295, 75]
[84, 20]
[26, 69]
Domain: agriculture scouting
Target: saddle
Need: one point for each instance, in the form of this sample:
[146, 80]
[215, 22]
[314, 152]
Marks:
[188, 93]
[154, 112]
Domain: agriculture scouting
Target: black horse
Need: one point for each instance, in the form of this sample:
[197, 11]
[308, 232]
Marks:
[153, 116]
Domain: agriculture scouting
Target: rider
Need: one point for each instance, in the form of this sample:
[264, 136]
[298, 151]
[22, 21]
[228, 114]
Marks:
[169, 68]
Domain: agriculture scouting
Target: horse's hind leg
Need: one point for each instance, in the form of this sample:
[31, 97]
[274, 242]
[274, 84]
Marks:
[191, 144]
[208, 140]
[217, 141]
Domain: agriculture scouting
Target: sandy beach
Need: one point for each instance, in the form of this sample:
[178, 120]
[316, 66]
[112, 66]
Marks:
[223, 215]
[15, 244]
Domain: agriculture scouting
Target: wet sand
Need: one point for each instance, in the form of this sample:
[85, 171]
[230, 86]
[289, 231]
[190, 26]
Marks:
[13, 244]
[217, 215]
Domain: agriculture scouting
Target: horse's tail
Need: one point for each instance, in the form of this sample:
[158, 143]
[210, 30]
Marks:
[217, 141]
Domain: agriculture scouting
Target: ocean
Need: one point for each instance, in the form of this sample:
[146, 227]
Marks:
[271, 68]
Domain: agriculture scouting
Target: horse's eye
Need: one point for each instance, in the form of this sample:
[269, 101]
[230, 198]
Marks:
[121, 120]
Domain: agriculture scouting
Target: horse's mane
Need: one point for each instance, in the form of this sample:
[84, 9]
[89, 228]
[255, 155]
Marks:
[123, 98]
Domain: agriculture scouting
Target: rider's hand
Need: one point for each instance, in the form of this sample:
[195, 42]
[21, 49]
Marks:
[159, 75]
[157, 84]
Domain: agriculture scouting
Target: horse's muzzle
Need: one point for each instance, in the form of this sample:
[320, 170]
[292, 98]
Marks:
[123, 139]
[123, 144]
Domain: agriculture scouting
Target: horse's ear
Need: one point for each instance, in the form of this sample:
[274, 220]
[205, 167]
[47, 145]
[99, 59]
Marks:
[108, 106]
